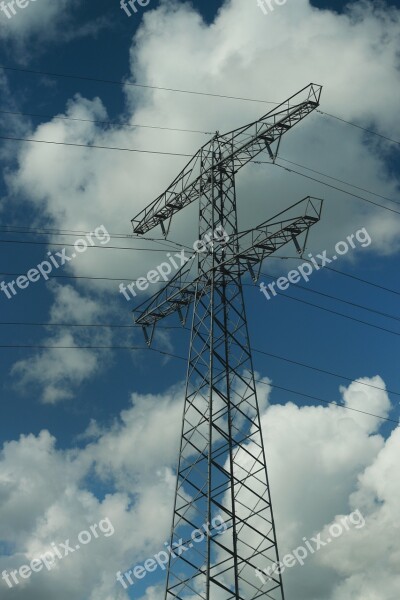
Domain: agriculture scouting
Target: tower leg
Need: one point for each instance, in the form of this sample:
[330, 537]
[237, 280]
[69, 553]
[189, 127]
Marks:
[223, 527]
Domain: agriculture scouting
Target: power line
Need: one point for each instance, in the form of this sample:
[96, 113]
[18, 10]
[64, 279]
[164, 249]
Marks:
[331, 311]
[130, 279]
[372, 310]
[125, 125]
[358, 126]
[183, 91]
[344, 274]
[176, 244]
[189, 155]
[49, 243]
[133, 326]
[387, 315]
[77, 325]
[169, 354]
[317, 369]
[121, 280]
[284, 296]
[376, 285]
[316, 398]
[54, 231]
[264, 274]
[334, 312]
[172, 244]
[137, 125]
[329, 185]
[180, 154]
[340, 181]
[128, 83]
[285, 160]
[361, 306]
[83, 325]
[95, 146]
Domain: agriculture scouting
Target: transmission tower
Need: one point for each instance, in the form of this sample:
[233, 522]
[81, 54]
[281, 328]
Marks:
[222, 474]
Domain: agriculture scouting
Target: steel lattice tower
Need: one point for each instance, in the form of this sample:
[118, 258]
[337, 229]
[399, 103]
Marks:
[222, 474]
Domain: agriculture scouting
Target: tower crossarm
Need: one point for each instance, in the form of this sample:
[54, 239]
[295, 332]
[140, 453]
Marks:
[173, 297]
[240, 145]
[257, 244]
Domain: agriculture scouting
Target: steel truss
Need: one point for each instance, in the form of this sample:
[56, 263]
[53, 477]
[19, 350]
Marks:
[222, 488]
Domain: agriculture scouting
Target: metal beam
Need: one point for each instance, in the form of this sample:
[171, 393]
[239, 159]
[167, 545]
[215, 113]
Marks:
[239, 146]
[257, 244]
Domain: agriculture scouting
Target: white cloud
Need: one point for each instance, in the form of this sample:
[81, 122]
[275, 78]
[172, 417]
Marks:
[27, 31]
[324, 462]
[152, 427]
[320, 461]
[58, 373]
[110, 187]
[297, 40]
[47, 495]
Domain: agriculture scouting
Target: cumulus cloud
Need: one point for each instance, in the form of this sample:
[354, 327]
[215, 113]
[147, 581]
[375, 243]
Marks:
[57, 373]
[40, 22]
[116, 185]
[139, 506]
[324, 463]
[319, 458]
[110, 187]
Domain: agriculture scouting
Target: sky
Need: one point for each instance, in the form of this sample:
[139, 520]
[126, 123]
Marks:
[90, 429]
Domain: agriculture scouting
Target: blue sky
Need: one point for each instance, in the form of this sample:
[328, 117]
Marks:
[237, 52]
